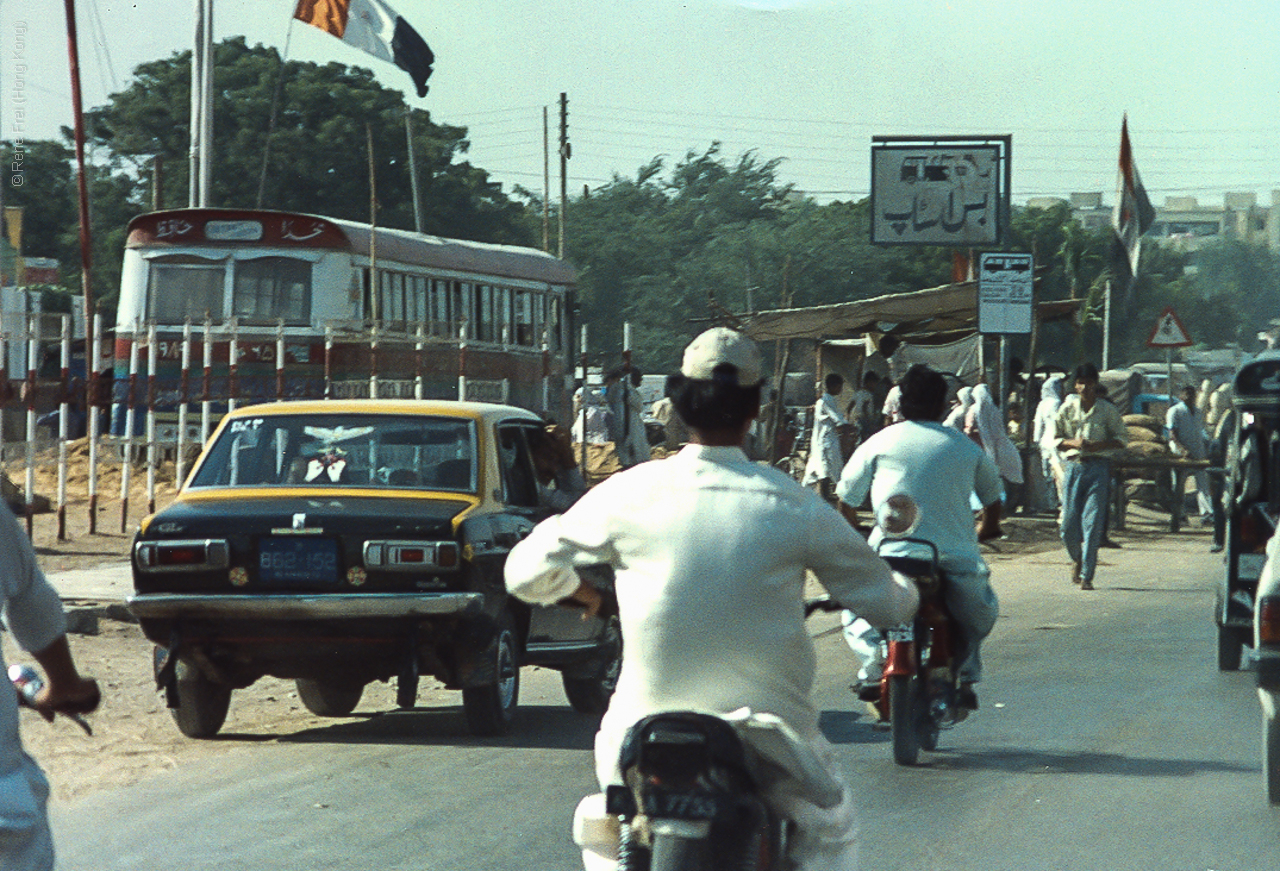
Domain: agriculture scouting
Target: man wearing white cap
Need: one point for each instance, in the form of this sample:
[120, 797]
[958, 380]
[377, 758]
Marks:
[710, 552]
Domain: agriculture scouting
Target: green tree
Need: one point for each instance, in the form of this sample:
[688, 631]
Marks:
[317, 157]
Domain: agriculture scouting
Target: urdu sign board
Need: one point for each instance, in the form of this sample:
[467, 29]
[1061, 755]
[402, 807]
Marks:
[1005, 283]
[945, 191]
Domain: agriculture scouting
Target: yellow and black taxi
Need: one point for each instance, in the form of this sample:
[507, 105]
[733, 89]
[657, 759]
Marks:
[337, 543]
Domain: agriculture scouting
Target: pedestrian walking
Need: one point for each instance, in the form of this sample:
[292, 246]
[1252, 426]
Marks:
[1087, 431]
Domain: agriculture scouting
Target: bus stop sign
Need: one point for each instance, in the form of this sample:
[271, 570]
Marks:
[1168, 332]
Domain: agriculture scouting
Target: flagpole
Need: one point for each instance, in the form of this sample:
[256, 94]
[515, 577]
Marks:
[206, 110]
[196, 126]
[1106, 327]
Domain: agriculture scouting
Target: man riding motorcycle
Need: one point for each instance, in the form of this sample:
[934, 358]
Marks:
[938, 467]
[710, 552]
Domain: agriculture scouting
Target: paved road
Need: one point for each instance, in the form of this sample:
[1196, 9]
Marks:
[1106, 740]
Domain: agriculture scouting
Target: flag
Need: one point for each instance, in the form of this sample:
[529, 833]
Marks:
[373, 27]
[1133, 213]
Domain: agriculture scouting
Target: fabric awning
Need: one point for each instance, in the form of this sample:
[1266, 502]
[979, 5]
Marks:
[935, 310]
[949, 311]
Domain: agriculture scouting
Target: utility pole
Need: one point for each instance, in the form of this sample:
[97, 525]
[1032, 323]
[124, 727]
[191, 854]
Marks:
[565, 154]
[546, 181]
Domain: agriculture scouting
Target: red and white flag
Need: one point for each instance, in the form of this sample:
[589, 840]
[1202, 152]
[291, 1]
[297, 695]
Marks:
[1133, 213]
[373, 27]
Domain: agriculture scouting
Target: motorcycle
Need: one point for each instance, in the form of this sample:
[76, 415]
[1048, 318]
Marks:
[693, 798]
[920, 683]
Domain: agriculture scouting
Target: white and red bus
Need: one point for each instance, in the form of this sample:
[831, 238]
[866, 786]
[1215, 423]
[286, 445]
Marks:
[449, 318]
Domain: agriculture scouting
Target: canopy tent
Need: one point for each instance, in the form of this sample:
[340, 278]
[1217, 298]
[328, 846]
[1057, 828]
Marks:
[932, 316]
[952, 308]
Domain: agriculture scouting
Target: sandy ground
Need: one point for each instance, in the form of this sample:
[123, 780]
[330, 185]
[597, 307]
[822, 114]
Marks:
[134, 736]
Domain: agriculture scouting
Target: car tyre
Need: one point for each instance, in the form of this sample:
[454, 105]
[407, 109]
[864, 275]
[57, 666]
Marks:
[1230, 648]
[329, 698]
[589, 689]
[202, 702]
[491, 708]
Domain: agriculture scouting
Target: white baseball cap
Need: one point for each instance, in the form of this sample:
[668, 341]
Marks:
[717, 347]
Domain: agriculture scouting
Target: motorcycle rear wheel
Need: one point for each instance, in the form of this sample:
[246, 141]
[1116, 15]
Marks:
[904, 717]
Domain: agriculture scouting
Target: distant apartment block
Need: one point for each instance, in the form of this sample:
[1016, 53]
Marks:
[1185, 223]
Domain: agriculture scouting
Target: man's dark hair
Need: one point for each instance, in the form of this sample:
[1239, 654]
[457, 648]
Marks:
[834, 383]
[637, 377]
[924, 394]
[715, 405]
[869, 378]
[615, 374]
[1086, 372]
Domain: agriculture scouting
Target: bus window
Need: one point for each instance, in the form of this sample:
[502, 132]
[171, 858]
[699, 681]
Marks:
[502, 305]
[268, 289]
[184, 290]
[418, 301]
[485, 321]
[525, 334]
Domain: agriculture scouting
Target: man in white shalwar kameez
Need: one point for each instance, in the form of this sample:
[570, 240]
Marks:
[822, 469]
[710, 552]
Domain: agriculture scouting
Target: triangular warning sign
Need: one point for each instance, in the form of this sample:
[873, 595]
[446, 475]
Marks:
[1168, 332]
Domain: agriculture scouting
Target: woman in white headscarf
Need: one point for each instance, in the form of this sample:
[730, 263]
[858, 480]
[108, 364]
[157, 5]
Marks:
[1042, 433]
[964, 400]
[985, 421]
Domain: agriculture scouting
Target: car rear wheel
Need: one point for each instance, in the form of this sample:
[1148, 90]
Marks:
[329, 698]
[491, 708]
[202, 703]
[1230, 647]
[589, 689]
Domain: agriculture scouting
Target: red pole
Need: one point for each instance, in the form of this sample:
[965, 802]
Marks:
[82, 188]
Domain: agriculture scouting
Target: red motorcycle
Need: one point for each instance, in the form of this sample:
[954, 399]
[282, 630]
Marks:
[920, 686]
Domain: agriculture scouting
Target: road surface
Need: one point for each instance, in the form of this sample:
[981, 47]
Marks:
[1106, 740]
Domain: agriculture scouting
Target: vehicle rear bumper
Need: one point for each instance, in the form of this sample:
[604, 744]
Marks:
[303, 606]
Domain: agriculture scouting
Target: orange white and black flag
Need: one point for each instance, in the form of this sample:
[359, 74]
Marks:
[373, 27]
[1133, 214]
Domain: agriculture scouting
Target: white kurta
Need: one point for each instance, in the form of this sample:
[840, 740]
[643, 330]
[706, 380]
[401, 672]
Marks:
[825, 459]
[33, 612]
[710, 552]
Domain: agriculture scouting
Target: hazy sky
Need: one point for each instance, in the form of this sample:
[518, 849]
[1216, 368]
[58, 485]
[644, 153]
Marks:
[809, 81]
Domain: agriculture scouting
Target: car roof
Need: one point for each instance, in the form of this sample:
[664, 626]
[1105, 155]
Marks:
[433, 407]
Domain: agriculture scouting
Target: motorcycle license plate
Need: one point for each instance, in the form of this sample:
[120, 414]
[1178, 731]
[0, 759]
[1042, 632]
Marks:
[905, 632]
[674, 804]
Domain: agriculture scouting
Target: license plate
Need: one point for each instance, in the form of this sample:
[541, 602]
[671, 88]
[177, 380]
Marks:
[286, 561]
[905, 632]
[672, 804]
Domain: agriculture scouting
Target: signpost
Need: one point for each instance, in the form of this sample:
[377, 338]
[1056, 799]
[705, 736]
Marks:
[1005, 284]
[1169, 333]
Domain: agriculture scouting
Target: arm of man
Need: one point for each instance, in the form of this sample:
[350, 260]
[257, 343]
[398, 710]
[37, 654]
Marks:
[34, 614]
[850, 571]
[542, 568]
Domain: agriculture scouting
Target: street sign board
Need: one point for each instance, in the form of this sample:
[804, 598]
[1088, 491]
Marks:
[1005, 283]
[939, 191]
[1168, 331]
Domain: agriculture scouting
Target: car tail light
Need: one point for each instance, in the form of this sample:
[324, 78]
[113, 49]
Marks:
[176, 556]
[1269, 620]
[410, 555]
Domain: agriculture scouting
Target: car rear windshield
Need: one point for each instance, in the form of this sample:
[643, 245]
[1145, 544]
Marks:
[351, 450]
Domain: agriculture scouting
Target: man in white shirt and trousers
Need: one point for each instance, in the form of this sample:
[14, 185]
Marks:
[822, 469]
[1186, 433]
[710, 552]
[939, 468]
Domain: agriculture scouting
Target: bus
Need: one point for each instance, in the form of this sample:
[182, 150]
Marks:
[293, 306]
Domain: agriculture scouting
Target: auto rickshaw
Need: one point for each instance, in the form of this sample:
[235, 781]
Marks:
[1251, 500]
